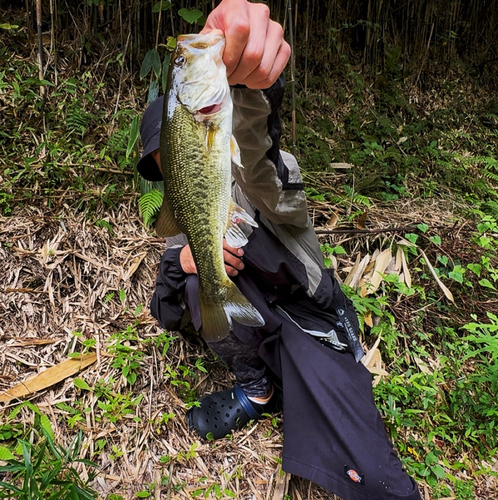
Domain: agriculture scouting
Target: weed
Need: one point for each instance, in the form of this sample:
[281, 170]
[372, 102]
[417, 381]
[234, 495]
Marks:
[38, 467]
[161, 341]
[127, 358]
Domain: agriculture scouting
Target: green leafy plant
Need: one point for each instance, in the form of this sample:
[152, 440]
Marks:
[37, 467]
[126, 357]
[486, 336]
[149, 205]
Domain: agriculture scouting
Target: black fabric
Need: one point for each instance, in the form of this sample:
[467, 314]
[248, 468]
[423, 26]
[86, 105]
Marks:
[276, 271]
[282, 279]
[275, 95]
[331, 424]
[166, 304]
[150, 131]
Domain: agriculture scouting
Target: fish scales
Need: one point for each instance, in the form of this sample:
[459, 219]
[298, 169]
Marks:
[198, 206]
[196, 160]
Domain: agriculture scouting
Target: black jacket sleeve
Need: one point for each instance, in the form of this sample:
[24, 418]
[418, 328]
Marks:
[167, 301]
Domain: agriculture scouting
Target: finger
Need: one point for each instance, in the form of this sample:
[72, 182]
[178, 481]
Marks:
[233, 250]
[233, 18]
[236, 38]
[269, 70]
[256, 44]
[231, 271]
[233, 260]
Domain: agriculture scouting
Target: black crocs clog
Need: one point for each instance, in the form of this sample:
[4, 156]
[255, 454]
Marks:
[221, 412]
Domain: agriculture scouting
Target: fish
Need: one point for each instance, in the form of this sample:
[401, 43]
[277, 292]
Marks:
[196, 151]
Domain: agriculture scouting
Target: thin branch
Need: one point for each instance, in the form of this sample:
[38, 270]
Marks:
[388, 230]
[366, 231]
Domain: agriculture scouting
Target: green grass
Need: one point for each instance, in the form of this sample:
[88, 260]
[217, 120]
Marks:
[36, 467]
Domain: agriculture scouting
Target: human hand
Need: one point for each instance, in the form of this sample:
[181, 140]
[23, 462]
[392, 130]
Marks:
[231, 256]
[255, 50]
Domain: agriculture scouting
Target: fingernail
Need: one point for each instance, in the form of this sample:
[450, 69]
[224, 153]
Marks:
[240, 251]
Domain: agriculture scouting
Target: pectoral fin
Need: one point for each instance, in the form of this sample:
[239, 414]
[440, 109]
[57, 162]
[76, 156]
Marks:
[235, 152]
[210, 135]
[234, 235]
[166, 224]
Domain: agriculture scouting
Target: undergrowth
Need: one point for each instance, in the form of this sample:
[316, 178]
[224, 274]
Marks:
[72, 146]
[399, 141]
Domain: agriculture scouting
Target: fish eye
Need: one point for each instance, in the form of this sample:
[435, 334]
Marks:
[179, 60]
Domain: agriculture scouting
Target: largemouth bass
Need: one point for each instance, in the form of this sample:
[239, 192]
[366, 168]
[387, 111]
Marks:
[197, 149]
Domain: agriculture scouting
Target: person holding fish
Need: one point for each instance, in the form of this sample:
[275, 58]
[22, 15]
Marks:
[270, 310]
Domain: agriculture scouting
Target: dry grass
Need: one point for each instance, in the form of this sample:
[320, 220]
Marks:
[57, 276]
[62, 274]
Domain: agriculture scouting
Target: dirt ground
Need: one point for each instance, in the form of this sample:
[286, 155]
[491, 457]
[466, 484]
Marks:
[62, 274]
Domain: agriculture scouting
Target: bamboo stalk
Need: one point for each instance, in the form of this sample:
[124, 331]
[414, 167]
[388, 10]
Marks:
[53, 50]
[40, 44]
[292, 82]
[306, 28]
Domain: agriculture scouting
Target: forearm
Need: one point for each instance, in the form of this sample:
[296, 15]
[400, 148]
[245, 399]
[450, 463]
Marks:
[270, 179]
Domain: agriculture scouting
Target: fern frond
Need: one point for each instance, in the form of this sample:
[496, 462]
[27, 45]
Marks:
[117, 141]
[147, 186]
[490, 207]
[490, 175]
[77, 119]
[490, 168]
[356, 198]
[359, 199]
[105, 224]
[149, 205]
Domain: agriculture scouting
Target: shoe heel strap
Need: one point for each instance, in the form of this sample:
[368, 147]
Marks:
[246, 404]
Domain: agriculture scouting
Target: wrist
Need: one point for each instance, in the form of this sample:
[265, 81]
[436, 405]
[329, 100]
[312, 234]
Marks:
[186, 260]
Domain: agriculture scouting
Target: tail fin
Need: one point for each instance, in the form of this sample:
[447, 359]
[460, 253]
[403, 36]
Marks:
[217, 317]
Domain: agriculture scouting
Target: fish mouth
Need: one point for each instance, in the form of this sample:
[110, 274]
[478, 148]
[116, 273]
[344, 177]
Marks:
[210, 110]
[198, 41]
